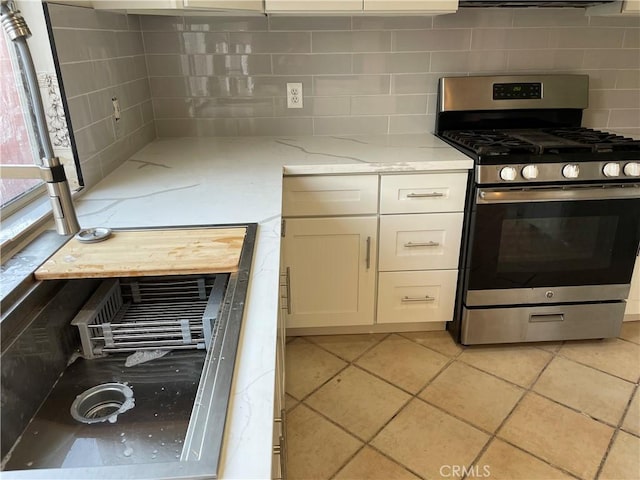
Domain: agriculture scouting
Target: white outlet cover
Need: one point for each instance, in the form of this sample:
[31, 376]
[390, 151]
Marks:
[294, 95]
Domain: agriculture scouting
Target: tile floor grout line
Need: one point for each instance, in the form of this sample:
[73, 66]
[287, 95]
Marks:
[412, 396]
[492, 436]
[365, 443]
[616, 433]
[526, 390]
[596, 368]
[386, 335]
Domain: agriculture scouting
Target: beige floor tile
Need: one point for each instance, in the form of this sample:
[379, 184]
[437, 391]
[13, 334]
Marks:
[316, 447]
[623, 461]
[631, 421]
[347, 347]
[502, 461]
[557, 434]
[289, 402]
[439, 341]
[425, 439]
[518, 364]
[371, 465]
[475, 396]
[403, 362]
[595, 393]
[358, 401]
[308, 367]
[552, 347]
[614, 356]
[631, 331]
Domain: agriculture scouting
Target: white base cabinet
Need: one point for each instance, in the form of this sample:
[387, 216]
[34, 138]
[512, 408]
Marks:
[632, 311]
[410, 297]
[330, 271]
[354, 256]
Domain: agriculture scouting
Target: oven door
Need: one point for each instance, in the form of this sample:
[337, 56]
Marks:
[552, 245]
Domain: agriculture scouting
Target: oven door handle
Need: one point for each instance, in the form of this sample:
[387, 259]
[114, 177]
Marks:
[556, 194]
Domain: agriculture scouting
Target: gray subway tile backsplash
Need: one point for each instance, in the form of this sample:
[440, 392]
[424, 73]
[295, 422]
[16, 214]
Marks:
[102, 58]
[226, 76]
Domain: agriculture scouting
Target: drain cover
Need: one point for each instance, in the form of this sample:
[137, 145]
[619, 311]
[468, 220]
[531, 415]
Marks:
[102, 402]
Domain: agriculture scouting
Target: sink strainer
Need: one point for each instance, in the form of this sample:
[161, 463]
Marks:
[102, 402]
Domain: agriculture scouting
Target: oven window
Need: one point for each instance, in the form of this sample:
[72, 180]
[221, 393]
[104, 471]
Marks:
[543, 243]
[547, 244]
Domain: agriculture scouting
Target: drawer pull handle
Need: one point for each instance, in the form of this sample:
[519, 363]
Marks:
[368, 256]
[425, 195]
[288, 289]
[426, 298]
[421, 244]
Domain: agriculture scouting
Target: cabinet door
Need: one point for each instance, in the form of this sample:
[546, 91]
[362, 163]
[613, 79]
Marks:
[250, 5]
[423, 193]
[136, 4]
[330, 195]
[331, 271]
[429, 241]
[633, 302]
[309, 6]
[417, 6]
[410, 297]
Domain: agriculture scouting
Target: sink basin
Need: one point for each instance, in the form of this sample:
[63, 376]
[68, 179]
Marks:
[70, 416]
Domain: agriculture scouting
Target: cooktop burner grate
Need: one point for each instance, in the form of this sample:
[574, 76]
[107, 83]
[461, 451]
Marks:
[540, 141]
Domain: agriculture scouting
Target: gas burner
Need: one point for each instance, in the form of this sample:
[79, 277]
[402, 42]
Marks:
[489, 142]
[599, 140]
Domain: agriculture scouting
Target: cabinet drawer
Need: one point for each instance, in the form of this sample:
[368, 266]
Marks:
[330, 195]
[428, 241]
[409, 297]
[423, 193]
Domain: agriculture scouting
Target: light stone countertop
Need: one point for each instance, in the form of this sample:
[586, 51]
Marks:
[207, 181]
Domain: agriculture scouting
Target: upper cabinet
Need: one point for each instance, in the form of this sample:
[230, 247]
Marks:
[424, 7]
[169, 6]
[621, 7]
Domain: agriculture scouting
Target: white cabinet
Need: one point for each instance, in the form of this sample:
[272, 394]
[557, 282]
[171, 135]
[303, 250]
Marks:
[330, 271]
[411, 6]
[632, 312]
[620, 7]
[409, 297]
[420, 235]
[355, 255]
[179, 6]
[424, 7]
[327, 195]
[420, 242]
[279, 457]
[430, 192]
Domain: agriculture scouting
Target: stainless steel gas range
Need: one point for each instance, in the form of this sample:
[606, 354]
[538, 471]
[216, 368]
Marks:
[553, 217]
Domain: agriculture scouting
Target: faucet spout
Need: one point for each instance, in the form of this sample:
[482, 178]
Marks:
[49, 166]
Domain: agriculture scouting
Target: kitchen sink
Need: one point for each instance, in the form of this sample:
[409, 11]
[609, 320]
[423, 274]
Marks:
[75, 409]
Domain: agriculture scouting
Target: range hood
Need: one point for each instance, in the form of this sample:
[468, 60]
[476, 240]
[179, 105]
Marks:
[532, 3]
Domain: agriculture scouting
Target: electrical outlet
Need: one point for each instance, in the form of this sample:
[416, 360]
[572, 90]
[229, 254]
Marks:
[294, 95]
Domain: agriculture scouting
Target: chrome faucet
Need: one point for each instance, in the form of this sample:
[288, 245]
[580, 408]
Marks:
[49, 167]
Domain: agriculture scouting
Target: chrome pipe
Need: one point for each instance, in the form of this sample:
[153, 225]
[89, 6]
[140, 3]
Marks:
[51, 171]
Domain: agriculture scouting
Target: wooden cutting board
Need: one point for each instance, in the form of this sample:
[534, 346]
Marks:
[135, 253]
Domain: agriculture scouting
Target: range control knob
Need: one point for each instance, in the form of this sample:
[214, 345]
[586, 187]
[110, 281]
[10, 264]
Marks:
[632, 169]
[530, 172]
[508, 174]
[611, 170]
[570, 170]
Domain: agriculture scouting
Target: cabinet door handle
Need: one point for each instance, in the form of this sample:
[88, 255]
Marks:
[421, 244]
[288, 288]
[368, 259]
[425, 195]
[426, 298]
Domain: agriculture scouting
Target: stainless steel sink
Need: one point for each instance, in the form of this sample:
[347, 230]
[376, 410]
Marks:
[174, 430]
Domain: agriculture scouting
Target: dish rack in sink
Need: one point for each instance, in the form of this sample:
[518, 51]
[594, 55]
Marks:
[167, 313]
